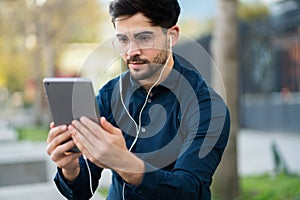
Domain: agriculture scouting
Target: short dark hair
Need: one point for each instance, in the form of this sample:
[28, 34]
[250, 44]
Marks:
[162, 13]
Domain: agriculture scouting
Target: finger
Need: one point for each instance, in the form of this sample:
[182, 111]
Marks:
[62, 150]
[89, 154]
[108, 126]
[67, 146]
[67, 160]
[92, 126]
[89, 129]
[81, 145]
[76, 138]
[89, 147]
[57, 141]
[52, 125]
[82, 136]
[84, 139]
[55, 131]
[71, 128]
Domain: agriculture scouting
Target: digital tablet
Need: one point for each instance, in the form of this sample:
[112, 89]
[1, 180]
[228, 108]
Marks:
[69, 99]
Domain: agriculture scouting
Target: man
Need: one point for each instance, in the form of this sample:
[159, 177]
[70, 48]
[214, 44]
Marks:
[162, 130]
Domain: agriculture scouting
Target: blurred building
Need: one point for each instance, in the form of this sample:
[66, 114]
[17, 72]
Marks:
[269, 59]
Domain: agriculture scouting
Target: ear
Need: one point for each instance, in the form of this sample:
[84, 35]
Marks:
[174, 33]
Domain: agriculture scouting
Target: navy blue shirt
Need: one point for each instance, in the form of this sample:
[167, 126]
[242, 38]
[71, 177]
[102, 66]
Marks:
[184, 131]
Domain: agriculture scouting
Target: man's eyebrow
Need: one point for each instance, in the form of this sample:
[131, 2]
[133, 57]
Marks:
[135, 34]
[121, 35]
[143, 32]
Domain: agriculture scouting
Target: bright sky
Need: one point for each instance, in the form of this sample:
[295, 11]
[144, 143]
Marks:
[201, 9]
[197, 9]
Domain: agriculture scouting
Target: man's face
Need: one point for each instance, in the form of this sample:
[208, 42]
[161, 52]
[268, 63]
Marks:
[144, 48]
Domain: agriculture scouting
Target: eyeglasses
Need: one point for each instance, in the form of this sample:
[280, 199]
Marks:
[121, 43]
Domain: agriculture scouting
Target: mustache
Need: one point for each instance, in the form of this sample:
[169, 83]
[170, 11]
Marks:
[137, 59]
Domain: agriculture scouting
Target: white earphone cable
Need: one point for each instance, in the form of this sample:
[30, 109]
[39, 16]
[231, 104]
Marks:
[90, 177]
[138, 126]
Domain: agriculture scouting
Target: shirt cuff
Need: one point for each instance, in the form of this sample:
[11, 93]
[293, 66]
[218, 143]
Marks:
[67, 187]
[151, 179]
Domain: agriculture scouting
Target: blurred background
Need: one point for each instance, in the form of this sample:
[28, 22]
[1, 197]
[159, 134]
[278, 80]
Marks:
[46, 38]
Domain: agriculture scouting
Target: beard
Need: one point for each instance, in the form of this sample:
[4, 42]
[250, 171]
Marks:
[153, 68]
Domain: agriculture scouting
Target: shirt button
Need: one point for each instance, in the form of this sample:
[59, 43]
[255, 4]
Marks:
[143, 130]
[140, 192]
[149, 100]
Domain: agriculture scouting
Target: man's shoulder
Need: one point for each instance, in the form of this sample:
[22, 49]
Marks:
[193, 76]
[191, 73]
[197, 82]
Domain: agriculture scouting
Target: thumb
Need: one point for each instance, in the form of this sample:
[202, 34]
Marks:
[108, 126]
[52, 125]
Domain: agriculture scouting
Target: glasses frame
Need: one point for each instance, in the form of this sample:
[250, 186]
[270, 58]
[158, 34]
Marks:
[138, 43]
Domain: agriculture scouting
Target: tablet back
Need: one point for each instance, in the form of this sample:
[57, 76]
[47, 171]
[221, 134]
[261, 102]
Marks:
[71, 98]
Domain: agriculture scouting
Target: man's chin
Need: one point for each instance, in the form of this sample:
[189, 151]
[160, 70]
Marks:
[137, 75]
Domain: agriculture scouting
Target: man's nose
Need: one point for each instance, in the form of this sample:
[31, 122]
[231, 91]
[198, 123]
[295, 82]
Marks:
[133, 48]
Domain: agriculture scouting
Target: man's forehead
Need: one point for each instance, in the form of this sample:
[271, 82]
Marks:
[136, 31]
[134, 24]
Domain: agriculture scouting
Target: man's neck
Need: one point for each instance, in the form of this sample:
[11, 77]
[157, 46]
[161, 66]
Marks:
[147, 84]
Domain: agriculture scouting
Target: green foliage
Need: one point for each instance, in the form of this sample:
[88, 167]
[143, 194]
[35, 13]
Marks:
[267, 187]
[70, 21]
[33, 133]
[13, 71]
[252, 11]
[29, 29]
[103, 191]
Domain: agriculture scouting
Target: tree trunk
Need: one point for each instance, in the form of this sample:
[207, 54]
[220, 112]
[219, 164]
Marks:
[225, 54]
[37, 104]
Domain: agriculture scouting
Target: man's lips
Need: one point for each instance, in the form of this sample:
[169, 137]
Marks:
[136, 62]
[136, 65]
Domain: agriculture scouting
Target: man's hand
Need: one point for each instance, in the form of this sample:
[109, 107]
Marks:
[58, 148]
[105, 146]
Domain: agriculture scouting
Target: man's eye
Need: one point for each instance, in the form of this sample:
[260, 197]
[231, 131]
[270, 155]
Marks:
[144, 38]
[123, 39]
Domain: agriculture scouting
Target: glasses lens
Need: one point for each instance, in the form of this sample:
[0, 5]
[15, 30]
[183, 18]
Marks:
[143, 41]
[120, 43]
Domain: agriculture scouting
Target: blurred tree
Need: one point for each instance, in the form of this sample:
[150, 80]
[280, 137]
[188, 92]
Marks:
[40, 29]
[12, 60]
[225, 54]
[252, 11]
